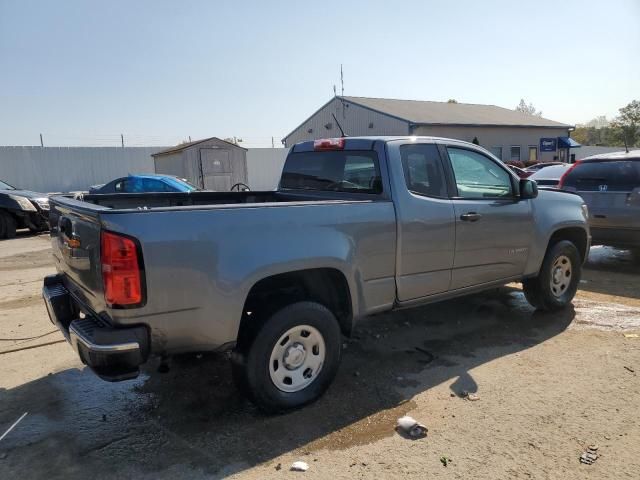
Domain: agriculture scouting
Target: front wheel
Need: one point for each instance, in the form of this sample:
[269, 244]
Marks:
[291, 359]
[557, 282]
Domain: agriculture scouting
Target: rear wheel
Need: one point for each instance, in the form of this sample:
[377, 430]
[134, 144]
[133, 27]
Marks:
[557, 282]
[7, 225]
[291, 359]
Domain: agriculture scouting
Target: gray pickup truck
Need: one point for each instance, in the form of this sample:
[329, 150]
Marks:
[357, 226]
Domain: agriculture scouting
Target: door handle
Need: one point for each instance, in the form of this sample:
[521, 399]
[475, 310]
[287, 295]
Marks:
[470, 217]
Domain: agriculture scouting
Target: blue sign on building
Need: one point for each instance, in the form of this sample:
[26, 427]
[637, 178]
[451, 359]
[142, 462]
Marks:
[548, 144]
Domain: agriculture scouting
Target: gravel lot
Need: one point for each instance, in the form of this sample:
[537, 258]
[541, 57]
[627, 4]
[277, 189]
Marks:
[547, 386]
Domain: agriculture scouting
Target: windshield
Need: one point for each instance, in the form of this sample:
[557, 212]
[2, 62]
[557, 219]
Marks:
[341, 171]
[180, 184]
[5, 186]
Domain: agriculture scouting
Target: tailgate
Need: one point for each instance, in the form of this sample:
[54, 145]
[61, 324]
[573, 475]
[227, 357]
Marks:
[75, 242]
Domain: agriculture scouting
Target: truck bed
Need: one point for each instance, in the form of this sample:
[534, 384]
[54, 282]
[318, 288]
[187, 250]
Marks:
[164, 200]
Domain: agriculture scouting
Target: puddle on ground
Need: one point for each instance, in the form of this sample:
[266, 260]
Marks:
[606, 316]
[363, 432]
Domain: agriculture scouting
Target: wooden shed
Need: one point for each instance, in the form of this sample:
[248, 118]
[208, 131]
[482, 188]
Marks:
[211, 163]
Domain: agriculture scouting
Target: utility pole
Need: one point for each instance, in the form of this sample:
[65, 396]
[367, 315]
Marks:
[41, 142]
[122, 139]
[189, 138]
[272, 143]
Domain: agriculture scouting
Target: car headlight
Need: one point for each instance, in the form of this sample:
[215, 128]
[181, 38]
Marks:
[23, 202]
[585, 211]
[43, 203]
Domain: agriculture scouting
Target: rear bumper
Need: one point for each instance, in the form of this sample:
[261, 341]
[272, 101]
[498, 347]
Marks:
[114, 354]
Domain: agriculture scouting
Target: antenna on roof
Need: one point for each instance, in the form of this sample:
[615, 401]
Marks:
[341, 82]
[338, 124]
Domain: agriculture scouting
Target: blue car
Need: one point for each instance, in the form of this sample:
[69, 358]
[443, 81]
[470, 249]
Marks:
[144, 184]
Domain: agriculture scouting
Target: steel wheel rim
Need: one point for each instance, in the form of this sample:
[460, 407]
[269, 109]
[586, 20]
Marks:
[297, 358]
[561, 273]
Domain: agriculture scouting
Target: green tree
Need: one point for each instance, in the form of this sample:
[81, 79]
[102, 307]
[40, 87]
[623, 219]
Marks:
[452, 100]
[581, 135]
[627, 125]
[528, 109]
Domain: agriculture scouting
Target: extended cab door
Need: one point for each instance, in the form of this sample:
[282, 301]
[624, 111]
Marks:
[426, 222]
[493, 226]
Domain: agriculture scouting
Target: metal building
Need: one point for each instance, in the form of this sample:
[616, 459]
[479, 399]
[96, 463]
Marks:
[509, 134]
[210, 163]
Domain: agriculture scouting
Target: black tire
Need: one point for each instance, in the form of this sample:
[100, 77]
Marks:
[40, 225]
[251, 360]
[7, 225]
[538, 290]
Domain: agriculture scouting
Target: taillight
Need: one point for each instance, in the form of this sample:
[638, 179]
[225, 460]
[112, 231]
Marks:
[121, 270]
[328, 144]
[564, 175]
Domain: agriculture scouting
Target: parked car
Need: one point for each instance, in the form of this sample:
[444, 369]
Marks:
[144, 184]
[22, 209]
[520, 172]
[539, 166]
[357, 226]
[610, 186]
[550, 176]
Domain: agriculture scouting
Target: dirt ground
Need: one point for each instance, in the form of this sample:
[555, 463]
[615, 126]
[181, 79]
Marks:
[547, 386]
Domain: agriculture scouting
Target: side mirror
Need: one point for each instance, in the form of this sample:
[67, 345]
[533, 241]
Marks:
[528, 189]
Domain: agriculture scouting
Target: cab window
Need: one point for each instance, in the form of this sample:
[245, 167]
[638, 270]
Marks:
[477, 176]
[423, 171]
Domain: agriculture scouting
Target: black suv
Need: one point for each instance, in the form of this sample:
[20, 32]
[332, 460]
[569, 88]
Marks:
[22, 209]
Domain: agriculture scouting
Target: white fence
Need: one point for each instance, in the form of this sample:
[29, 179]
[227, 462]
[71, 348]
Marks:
[588, 150]
[264, 166]
[65, 169]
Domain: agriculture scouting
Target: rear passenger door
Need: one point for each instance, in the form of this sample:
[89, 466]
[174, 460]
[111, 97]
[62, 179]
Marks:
[493, 227]
[425, 217]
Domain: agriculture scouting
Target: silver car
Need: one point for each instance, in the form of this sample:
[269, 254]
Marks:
[610, 186]
[550, 176]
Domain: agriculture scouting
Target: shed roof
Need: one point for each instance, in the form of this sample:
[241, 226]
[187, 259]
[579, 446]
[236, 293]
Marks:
[445, 113]
[184, 146]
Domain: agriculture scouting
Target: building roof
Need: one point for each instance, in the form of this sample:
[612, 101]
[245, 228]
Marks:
[184, 146]
[422, 112]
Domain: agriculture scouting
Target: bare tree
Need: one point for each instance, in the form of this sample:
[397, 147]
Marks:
[528, 109]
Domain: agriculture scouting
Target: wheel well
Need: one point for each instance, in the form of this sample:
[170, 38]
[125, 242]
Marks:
[326, 286]
[575, 235]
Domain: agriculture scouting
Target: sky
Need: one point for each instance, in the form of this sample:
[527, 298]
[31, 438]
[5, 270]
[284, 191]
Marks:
[82, 72]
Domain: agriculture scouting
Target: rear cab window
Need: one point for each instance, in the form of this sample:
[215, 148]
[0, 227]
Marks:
[604, 176]
[337, 171]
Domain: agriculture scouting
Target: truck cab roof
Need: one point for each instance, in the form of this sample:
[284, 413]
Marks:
[367, 142]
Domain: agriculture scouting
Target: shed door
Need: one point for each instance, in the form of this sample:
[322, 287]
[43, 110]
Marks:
[215, 164]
